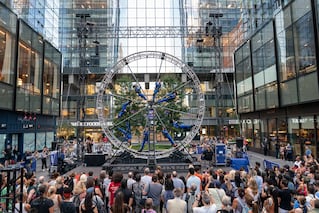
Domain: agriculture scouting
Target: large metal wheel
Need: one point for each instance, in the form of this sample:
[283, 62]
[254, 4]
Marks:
[138, 103]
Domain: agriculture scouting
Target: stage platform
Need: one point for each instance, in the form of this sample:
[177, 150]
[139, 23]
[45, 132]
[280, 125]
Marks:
[166, 167]
[124, 162]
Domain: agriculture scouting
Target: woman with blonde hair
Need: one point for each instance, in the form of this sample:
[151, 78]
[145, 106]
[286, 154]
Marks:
[57, 199]
[59, 185]
[229, 187]
[252, 188]
[78, 195]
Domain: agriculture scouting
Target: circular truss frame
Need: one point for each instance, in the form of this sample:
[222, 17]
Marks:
[108, 123]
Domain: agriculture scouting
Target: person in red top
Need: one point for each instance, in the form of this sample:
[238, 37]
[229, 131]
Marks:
[114, 186]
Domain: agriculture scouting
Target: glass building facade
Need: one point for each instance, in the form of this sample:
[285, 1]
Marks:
[278, 93]
[30, 69]
[96, 34]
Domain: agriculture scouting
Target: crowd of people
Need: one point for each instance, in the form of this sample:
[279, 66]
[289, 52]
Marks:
[277, 190]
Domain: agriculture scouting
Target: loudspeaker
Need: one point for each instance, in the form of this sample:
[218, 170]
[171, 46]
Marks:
[239, 142]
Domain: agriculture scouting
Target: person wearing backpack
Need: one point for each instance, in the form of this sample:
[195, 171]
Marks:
[78, 196]
[190, 198]
[137, 189]
[239, 203]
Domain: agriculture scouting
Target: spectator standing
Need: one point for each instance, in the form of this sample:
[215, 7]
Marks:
[289, 152]
[146, 178]
[66, 205]
[44, 155]
[119, 205]
[149, 206]
[137, 189]
[178, 183]
[114, 186]
[42, 202]
[154, 191]
[168, 191]
[176, 205]
[56, 198]
[208, 204]
[130, 180]
[88, 206]
[127, 193]
[284, 197]
[192, 179]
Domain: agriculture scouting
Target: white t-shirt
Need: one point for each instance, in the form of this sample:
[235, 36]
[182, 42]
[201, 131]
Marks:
[146, 180]
[205, 209]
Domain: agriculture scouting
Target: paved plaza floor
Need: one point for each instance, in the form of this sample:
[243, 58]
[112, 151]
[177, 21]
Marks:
[252, 156]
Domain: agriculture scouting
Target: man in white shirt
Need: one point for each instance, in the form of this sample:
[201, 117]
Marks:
[130, 180]
[176, 205]
[208, 204]
[192, 179]
[146, 179]
[178, 183]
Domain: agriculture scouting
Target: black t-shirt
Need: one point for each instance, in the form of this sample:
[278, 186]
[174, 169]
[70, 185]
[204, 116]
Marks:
[127, 194]
[285, 199]
[8, 154]
[208, 155]
[42, 204]
[67, 207]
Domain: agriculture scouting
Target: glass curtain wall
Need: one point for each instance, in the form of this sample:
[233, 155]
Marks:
[296, 54]
[51, 80]
[29, 81]
[8, 34]
[264, 68]
[244, 79]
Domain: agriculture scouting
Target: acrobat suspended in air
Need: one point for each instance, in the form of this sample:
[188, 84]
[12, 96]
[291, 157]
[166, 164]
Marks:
[168, 136]
[170, 96]
[123, 108]
[127, 132]
[158, 86]
[138, 90]
[146, 134]
[181, 125]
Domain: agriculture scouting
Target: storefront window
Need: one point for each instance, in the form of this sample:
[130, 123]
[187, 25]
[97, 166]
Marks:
[2, 141]
[307, 135]
[247, 129]
[272, 128]
[29, 142]
[293, 133]
[49, 139]
[40, 140]
[282, 131]
[257, 133]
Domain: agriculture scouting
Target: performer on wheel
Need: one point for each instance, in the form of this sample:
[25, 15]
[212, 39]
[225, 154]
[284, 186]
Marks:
[158, 86]
[123, 108]
[138, 90]
[146, 134]
[181, 126]
[127, 133]
[169, 137]
[170, 96]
